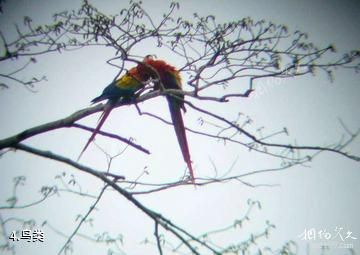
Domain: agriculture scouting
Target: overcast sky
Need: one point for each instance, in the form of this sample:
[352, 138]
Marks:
[321, 195]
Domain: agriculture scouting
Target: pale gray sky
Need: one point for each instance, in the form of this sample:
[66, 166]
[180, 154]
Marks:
[321, 195]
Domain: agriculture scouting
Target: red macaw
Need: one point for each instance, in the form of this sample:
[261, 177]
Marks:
[170, 79]
[123, 88]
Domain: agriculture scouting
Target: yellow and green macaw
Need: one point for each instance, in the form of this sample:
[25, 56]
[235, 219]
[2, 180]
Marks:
[123, 88]
[170, 79]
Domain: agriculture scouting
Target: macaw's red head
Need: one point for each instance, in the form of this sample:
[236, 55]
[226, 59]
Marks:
[138, 73]
[159, 65]
[160, 68]
[134, 72]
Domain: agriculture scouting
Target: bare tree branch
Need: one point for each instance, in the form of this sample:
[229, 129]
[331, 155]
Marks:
[83, 219]
[228, 58]
[165, 223]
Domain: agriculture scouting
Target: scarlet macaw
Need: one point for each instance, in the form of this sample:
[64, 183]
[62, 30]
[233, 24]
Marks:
[123, 88]
[170, 79]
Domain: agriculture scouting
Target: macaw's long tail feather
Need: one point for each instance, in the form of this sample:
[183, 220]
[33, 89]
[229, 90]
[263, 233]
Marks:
[102, 119]
[178, 123]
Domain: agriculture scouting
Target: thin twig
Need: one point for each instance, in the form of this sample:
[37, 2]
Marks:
[83, 219]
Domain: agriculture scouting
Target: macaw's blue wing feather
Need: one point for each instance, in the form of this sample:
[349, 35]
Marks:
[114, 92]
[111, 92]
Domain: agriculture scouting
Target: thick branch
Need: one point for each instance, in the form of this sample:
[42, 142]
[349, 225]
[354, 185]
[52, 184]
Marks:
[165, 223]
[65, 123]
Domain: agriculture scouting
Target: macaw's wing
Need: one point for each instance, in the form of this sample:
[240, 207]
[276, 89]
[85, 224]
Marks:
[111, 92]
[125, 88]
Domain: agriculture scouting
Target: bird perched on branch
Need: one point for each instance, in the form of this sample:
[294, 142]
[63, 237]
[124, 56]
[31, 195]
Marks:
[124, 89]
[169, 78]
